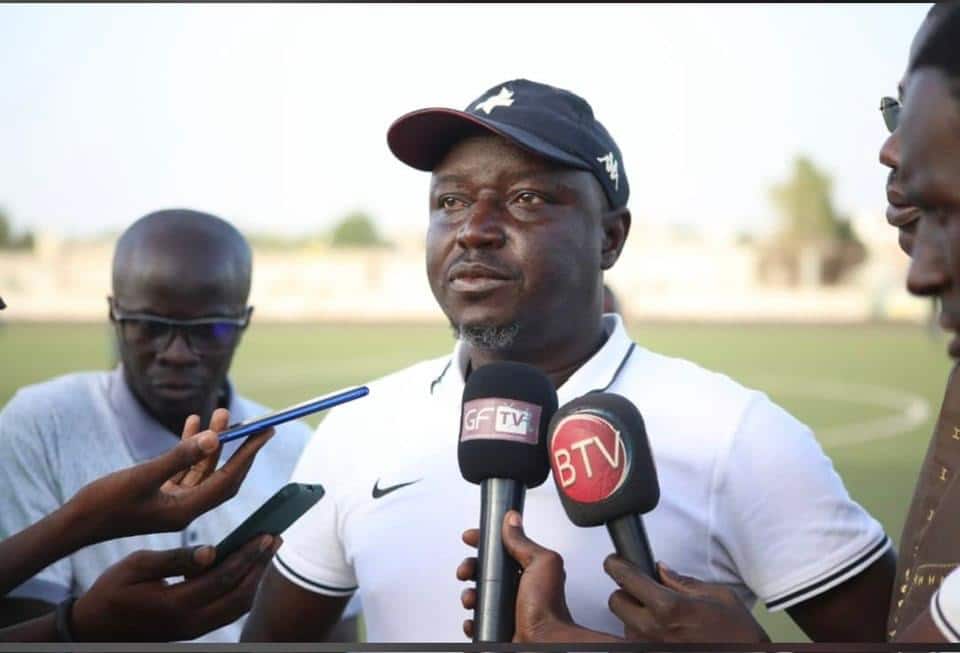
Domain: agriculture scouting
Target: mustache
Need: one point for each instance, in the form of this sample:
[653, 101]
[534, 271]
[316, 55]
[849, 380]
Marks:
[476, 257]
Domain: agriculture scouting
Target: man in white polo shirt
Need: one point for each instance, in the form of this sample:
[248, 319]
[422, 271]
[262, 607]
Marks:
[180, 281]
[527, 209]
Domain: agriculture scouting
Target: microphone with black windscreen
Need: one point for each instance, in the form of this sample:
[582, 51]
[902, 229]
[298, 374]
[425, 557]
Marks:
[503, 428]
[604, 471]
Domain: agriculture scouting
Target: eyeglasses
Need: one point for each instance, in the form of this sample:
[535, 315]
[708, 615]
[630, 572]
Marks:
[204, 335]
[890, 109]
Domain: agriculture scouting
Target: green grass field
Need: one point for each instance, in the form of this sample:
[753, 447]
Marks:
[844, 381]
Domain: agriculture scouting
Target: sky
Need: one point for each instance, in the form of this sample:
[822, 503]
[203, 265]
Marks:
[275, 116]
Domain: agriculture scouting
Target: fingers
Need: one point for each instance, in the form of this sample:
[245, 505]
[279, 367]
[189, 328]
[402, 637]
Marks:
[157, 471]
[220, 420]
[640, 586]
[471, 537]
[201, 589]
[242, 458]
[204, 467]
[157, 565]
[231, 604]
[639, 622]
[467, 569]
[468, 598]
[522, 548]
[677, 582]
[223, 483]
[190, 427]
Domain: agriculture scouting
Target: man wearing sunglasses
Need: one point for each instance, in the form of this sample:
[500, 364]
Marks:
[181, 280]
[927, 540]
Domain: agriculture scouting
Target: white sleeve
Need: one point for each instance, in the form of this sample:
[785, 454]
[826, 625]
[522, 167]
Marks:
[782, 516]
[312, 555]
[30, 492]
[945, 607]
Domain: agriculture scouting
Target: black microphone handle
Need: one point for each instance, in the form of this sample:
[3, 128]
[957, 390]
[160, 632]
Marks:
[498, 574]
[630, 541]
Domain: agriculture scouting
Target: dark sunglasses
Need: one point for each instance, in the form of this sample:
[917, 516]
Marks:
[204, 335]
[890, 110]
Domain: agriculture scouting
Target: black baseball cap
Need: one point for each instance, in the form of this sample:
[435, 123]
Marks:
[548, 121]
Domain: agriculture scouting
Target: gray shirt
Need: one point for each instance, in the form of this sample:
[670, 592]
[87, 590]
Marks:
[57, 436]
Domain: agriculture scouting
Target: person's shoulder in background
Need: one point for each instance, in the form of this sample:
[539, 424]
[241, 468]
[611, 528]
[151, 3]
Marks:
[61, 413]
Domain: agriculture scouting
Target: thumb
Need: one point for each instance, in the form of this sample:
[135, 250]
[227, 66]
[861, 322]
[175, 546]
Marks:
[680, 583]
[157, 565]
[180, 458]
[515, 540]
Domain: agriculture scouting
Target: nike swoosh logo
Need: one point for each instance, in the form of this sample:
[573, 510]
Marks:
[382, 492]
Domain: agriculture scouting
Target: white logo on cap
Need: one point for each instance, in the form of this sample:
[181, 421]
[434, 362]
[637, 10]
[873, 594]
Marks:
[502, 99]
[613, 168]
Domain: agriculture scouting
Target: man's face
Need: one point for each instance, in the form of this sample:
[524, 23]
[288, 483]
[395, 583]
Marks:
[171, 376]
[900, 214]
[930, 176]
[514, 241]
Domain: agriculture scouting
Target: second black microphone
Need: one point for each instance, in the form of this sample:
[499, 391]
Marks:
[503, 427]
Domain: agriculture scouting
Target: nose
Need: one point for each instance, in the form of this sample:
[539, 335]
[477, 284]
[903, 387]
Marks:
[929, 274]
[890, 151]
[482, 227]
[177, 351]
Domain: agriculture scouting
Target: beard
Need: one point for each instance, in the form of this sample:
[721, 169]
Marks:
[498, 337]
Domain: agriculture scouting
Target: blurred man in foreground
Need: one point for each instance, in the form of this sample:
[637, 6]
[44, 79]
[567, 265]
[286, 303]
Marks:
[929, 173]
[528, 209]
[927, 550]
[179, 306]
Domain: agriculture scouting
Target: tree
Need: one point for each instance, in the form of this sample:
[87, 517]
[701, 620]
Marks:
[4, 228]
[357, 230]
[7, 238]
[811, 230]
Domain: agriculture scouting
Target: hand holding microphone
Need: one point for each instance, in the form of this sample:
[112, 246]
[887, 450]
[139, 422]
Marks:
[604, 472]
[506, 409]
[679, 609]
[542, 615]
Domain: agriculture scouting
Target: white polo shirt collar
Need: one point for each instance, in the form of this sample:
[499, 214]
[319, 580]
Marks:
[598, 373]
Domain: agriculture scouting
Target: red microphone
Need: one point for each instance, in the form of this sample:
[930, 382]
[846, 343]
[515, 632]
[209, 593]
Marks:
[604, 471]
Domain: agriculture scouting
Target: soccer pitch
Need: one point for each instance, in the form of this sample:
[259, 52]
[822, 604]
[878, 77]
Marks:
[871, 392]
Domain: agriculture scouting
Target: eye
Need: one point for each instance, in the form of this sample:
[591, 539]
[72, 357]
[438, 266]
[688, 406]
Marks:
[529, 198]
[451, 202]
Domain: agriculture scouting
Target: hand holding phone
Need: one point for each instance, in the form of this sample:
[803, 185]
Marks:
[273, 517]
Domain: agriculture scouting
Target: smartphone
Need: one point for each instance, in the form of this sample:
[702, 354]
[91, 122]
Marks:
[272, 518]
[308, 407]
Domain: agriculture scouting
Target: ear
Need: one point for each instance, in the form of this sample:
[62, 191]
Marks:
[616, 226]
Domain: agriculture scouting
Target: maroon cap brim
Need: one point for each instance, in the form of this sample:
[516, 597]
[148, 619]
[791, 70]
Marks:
[422, 138]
